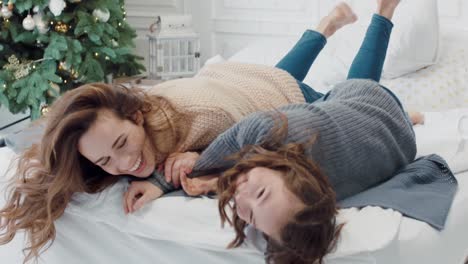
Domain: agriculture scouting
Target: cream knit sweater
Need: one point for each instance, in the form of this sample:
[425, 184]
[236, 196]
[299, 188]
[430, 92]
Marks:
[222, 94]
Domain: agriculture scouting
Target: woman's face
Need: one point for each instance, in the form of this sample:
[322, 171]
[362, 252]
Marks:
[120, 147]
[263, 200]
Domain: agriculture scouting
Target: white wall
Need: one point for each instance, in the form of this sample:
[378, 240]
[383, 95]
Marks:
[226, 26]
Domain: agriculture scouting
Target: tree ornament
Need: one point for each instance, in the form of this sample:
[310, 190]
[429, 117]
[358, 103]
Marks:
[28, 23]
[115, 44]
[19, 69]
[54, 89]
[63, 66]
[61, 27]
[41, 25]
[102, 14]
[44, 109]
[75, 74]
[5, 12]
[57, 6]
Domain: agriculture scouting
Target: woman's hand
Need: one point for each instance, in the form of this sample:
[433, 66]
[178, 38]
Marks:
[138, 194]
[178, 163]
[199, 185]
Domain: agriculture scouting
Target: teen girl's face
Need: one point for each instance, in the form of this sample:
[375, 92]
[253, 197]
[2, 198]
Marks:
[263, 200]
[120, 147]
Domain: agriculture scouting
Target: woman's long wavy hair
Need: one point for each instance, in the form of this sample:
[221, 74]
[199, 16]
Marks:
[49, 173]
[312, 232]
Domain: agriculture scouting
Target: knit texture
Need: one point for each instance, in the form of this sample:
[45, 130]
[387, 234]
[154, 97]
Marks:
[362, 136]
[222, 94]
[364, 141]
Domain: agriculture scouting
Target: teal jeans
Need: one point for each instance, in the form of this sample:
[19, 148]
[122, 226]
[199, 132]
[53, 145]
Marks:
[367, 64]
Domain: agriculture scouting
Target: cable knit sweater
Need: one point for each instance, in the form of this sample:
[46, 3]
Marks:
[222, 94]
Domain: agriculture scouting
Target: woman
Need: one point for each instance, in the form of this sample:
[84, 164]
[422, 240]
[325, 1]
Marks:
[97, 131]
[355, 145]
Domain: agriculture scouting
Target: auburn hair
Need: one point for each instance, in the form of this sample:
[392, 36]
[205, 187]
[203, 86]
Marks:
[312, 232]
[49, 173]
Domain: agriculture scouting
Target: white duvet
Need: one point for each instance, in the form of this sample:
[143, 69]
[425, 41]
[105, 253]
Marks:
[178, 229]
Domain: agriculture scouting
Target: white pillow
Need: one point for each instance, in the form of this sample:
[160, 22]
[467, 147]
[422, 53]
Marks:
[414, 42]
[441, 86]
[325, 71]
[444, 133]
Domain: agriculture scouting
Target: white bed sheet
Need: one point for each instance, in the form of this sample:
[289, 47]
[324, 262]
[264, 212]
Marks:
[174, 230]
[419, 243]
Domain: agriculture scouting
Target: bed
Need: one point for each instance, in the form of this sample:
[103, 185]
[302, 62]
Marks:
[180, 229]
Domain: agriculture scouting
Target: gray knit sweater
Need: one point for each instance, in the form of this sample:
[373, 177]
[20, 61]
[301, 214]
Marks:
[363, 139]
[363, 136]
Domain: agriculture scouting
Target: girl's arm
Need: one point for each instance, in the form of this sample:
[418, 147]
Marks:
[252, 130]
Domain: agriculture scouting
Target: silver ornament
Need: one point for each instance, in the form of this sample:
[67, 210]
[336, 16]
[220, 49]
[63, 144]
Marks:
[102, 14]
[57, 6]
[28, 23]
[5, 12]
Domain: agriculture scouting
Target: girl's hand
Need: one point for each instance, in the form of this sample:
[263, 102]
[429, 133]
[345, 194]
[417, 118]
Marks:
[178, 163]
[138, 194]
[199, 185]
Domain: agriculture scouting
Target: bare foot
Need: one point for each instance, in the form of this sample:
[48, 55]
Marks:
[417, 118]
[340, 16]
[386, 8]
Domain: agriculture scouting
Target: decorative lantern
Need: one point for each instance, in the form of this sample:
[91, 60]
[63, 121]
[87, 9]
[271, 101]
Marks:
[174, 48]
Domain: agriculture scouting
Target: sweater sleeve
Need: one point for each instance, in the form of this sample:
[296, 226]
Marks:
[158, 179]
[207, 124]
[252, 130]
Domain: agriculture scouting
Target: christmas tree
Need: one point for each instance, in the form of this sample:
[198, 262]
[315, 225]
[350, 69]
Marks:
[50, 46]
